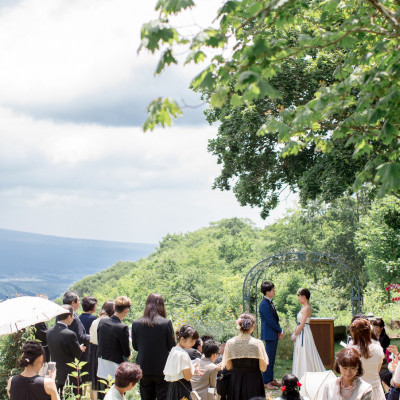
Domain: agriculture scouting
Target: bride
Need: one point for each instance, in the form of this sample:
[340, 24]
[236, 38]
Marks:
[305, 354]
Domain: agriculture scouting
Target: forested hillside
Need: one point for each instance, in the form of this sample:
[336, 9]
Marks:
[200, 274]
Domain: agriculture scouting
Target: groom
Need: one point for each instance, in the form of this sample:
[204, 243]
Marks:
[271, 332]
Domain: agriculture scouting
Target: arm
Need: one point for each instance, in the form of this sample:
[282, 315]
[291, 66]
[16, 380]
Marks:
[74, 346]
[124, 342]
[263, 365]
[50, 389]
[134, 342]
[171, 337]
[213, 377]
[79, 330]
[9, 387]
[187, 374]
[304, 315]
[229, 365]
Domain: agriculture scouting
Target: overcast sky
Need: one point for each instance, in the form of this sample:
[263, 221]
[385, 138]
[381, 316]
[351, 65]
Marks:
[73, 159]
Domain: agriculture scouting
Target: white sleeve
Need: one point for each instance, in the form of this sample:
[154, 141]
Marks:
[396, 375]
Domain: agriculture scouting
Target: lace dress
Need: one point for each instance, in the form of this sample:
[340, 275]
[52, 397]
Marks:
[305, 354]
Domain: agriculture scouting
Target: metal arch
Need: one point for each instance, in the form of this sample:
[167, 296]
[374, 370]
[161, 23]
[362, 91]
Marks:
[255, 273]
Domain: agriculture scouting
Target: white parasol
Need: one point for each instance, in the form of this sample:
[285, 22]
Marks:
[313, 383]
[24, 311]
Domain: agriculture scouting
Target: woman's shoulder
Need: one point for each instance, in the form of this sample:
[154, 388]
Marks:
[364, 387]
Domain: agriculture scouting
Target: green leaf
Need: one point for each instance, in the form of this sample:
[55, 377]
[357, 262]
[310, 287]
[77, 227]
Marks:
[166, 59]
[388, 175]
[218, 98]
[236, 100]
[196, 56]
[160, 112]
[254, 9]
[268, 90]
[228, 8]
[204, 80]
[155, 32]
[173, 6]
[389, 133]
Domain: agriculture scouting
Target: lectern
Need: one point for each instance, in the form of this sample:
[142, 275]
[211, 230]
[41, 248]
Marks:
[324, 338]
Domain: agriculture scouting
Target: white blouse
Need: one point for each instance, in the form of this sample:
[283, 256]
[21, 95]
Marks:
[178, 360]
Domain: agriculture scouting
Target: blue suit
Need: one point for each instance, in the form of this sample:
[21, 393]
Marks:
[270, 329]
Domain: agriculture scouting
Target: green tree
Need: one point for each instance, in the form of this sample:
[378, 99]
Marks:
[378, 238]
[354, 113]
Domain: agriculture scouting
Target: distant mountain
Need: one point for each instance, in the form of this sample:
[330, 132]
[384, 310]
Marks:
[31, 263]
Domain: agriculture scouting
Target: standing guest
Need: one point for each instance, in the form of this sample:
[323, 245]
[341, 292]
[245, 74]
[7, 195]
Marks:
[107, 310]
[271, 332]
[153, 339]
[305, 353]
[247, 358]
[28, 385]
[378, 326]
[126, 377]
[371, 355]
[179, 368]
[72, 298]
[64, 346]
[196, 350]
[291, 388]
[89, 305]
[113, 338]
[202, 383]
[349, 386]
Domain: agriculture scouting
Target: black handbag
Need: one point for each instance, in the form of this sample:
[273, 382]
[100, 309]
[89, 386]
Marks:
[223, 382]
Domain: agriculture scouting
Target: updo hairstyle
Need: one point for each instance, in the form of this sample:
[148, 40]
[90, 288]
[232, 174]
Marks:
[108, 308]
[185, 332]
[291, 386]
[31, 350]
[246, 321]
[348, 358]
[360, 331]
[304, 292]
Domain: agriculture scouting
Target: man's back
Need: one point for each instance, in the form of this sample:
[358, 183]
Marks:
[64, 348]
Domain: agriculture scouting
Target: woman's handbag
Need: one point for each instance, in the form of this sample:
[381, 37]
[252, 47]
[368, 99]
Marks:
[223, 382]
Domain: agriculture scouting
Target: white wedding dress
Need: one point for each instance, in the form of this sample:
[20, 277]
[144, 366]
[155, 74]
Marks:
[305, 354]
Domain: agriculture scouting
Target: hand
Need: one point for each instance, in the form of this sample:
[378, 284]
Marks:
[198, 371]
[280, 336]
[293, 337]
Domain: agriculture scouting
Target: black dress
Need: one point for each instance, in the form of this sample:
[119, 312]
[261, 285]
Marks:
[28, 388]
[179, 390]
[246, 379]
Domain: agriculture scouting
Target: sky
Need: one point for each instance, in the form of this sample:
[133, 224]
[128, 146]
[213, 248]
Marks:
[74, 160]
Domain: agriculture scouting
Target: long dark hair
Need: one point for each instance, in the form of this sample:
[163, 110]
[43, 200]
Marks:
[154, 307]
[360, 330]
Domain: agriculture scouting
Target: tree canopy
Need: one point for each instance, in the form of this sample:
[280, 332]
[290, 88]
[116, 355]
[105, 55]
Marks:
[309, 83]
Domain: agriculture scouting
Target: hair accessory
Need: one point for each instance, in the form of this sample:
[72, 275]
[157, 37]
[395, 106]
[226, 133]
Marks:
[238, 321]
[283, 388]
[299, 384]
[27, 360]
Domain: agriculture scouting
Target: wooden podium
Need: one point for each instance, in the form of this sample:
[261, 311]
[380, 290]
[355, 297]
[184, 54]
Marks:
[324, 338]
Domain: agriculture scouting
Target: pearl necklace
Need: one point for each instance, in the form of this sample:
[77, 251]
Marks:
[347, 392]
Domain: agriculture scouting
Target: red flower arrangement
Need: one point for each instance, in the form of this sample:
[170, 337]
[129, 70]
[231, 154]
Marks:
[396, 288]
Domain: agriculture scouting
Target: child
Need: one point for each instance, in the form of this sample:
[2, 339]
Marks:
[291, 388]
[178, 368]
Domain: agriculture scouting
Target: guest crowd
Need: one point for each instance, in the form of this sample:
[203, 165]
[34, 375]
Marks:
[183, 366]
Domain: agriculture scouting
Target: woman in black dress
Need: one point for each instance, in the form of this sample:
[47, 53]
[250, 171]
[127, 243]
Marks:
[247, 359]
[28, 385]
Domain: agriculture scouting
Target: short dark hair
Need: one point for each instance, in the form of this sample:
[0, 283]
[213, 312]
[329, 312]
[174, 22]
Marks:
[121, 303]
[127, 373]
[109, 307]
[266, 286]
[210, 347]
[304, 292]
[69, 312]
[348, 357]
[88, 303]
[31, 350]
[378, 322]
[70, 296]
[186, 331]
[358, 316]
[206, 337]
[197, 343]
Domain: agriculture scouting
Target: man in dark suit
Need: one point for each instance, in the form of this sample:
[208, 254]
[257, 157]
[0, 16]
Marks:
[153, 338]
[113, 339]
[63, 346]
[271, 332]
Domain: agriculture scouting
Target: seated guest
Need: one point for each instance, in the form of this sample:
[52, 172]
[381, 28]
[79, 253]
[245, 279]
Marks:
[378, 327]
[349, 385]
[64, 346]
[195, 351]
[28, 385]
[126, 377]
[113, 338]
[201, 383]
